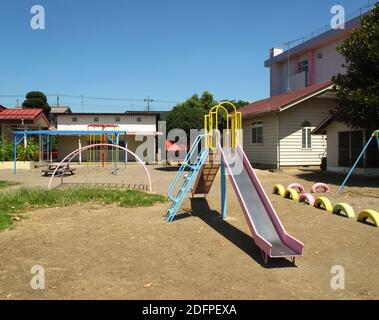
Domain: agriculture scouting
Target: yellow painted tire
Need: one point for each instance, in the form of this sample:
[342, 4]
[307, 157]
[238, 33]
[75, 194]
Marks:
[291, 194]
[323, 203]
[278, 189]
[345, 209]
[369, 214]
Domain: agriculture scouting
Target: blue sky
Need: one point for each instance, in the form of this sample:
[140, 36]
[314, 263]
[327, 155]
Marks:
[168, 49]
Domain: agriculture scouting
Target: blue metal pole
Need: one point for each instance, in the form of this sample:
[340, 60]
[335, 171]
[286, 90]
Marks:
[126, 146]
[223, 191]
[47, 147]
[116, 162]
[15, 155]
[355, 164]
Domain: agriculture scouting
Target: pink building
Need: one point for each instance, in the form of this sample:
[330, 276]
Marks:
[278, 130]
[312, 62]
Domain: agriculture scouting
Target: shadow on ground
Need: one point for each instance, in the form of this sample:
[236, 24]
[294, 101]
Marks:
[200, 209]
[338, 178]
[169, 169]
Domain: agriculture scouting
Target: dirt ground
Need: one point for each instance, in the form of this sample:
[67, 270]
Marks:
[108, 252]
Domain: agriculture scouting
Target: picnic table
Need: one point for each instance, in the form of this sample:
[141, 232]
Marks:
[62, 169]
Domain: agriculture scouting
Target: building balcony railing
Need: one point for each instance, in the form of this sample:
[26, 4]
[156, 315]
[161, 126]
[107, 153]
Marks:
[296, 81]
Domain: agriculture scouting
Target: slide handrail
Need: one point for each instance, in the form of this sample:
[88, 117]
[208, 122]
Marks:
[185, 164]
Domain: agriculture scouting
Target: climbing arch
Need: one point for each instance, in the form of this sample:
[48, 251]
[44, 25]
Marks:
[75, 153]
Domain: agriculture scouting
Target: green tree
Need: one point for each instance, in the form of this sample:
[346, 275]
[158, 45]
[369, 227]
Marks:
[358, 90]
[36, 99]
[190, 114]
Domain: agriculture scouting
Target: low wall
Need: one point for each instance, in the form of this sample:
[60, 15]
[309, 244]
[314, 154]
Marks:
[26, 165]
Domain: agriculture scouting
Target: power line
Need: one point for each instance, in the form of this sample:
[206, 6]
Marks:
[148, 100]
[82, 99]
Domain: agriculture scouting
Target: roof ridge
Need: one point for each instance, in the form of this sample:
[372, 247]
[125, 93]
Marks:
[275, 103]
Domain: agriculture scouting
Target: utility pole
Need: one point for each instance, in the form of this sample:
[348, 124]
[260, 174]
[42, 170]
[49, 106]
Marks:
[57, 99]
[17, 103]
[148, 100]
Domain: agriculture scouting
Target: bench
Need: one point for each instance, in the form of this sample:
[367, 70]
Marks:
[63, 169]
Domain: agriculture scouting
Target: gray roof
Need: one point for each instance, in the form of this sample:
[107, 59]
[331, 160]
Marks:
[62, 109]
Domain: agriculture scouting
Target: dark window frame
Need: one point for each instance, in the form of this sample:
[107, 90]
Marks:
[257, 133]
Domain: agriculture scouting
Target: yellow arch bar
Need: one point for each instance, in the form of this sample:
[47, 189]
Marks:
[233, 123]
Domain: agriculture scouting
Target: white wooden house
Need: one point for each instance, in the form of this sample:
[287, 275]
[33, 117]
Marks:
[277, 131]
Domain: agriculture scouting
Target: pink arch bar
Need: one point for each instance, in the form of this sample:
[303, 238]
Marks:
[73, 154]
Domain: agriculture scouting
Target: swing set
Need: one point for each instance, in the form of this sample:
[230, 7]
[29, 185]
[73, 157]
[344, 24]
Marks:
[374, 136]
[111, 139]
[102, 153]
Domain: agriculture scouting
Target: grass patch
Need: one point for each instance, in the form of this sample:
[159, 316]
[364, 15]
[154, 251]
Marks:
[25, 199]
[4, 184]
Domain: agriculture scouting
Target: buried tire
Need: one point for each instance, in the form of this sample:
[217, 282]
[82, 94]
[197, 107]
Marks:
[279, 190]
[307, 199]
[297, 186]
[323, 203]
[291, 194]
[317, 186]
[344, 209]
[369, 214]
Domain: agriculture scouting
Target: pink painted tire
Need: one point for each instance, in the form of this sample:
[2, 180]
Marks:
[325, 188]
[297, 186]
[307, 198]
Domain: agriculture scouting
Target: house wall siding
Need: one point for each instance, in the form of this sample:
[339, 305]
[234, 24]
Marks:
[265, 153]
[313, 110]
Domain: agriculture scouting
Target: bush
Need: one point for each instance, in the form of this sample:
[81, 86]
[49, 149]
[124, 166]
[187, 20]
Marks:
[30, 153]
[6, 152]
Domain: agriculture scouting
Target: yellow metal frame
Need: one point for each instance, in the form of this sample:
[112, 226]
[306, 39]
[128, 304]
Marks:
[94, 156]
[233, 125]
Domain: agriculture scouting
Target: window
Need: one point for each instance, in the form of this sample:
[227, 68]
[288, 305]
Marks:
[117, 119]
[302, 66]
[257, 132]
[96, 119]
[74, 119]
[306, 135]
[139, 119]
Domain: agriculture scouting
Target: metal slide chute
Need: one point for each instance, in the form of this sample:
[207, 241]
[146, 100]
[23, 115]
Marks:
[265, 226]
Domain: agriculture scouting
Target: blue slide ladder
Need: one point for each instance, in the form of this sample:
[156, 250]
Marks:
[194, 169]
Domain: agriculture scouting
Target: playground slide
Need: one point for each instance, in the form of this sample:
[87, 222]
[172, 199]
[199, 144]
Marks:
[265, 226]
